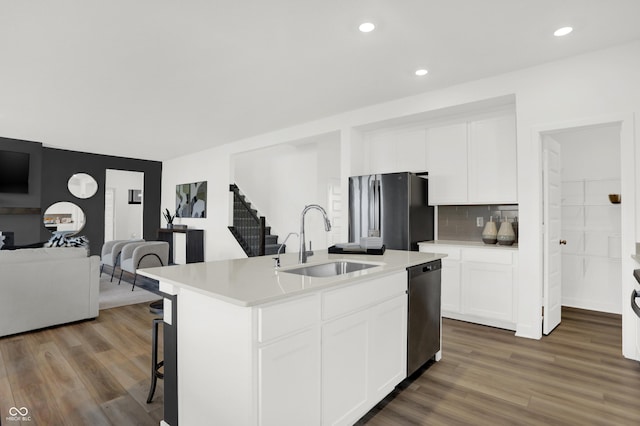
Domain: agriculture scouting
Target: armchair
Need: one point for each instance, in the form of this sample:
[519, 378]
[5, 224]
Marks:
[110, 254]
[143, 254]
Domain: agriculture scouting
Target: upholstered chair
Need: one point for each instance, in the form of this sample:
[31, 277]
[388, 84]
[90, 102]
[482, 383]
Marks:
[146, 254]
[110, 255]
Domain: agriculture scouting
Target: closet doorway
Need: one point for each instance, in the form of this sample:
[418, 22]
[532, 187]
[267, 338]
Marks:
[588, 264]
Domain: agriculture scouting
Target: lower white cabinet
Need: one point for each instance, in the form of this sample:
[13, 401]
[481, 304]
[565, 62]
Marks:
[324, 358]
[479, 284]
[363, 358]
[488, 291]
[289, 371]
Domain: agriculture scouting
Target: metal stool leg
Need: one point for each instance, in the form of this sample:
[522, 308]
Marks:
[155, 365]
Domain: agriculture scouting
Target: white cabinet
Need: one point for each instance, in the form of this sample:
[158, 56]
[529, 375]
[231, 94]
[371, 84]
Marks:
[492, 160]
[446, 152]
[473, 162]
[398, 150]
[364, 349]
[479, 284]
[323, 358]
[289, 372]
[289, 362]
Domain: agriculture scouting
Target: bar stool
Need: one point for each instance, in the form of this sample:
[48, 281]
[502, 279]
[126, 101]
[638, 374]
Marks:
[155, 307]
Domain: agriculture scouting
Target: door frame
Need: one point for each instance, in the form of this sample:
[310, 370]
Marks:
[629, 157]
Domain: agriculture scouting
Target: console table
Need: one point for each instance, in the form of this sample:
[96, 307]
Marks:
[194, 242]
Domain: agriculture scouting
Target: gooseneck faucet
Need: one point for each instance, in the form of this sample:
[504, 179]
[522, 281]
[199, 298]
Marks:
[302, 258]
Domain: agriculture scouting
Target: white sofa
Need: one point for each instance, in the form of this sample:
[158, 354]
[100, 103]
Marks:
[42, 287]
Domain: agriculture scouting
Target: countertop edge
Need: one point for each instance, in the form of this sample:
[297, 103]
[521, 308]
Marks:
[342, 280]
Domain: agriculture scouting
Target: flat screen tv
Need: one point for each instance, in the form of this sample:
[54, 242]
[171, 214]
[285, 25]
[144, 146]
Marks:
[14, 172]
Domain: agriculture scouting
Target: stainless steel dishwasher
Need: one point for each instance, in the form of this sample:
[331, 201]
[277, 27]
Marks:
[423, 328]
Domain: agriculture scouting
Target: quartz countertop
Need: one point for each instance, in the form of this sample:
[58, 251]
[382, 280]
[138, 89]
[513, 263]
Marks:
[254, 281]
[478, 244]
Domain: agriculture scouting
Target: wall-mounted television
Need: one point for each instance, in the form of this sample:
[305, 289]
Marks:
[14, 172]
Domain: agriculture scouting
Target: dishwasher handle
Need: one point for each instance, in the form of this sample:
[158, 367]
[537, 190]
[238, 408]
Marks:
[424, 268]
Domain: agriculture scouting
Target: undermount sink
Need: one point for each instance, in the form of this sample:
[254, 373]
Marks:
[330, 269]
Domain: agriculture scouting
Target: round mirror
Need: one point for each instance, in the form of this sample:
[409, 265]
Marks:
[82, 185]
[64, 217]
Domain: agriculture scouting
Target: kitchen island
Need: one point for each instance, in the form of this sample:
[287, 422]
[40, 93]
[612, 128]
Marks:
[263, 346]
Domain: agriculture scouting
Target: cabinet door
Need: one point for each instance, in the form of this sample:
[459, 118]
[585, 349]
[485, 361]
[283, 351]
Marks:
[447, 164]
[492, 160]
[450, 286]
[388, 350]
[488, 290]
[345, 357]
[289, 380]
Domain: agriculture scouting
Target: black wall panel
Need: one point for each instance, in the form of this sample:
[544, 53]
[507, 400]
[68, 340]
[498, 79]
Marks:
[59, 165]
[49, 171]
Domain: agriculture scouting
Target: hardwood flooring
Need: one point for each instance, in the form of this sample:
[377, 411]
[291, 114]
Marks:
[98, 372]
[88, 373]
[575, 376]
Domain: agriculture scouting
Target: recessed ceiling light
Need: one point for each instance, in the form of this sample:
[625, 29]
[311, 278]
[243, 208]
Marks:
[421, 72]
[562, 31]
[366, 27]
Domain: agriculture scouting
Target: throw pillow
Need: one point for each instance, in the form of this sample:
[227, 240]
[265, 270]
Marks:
[57, 240]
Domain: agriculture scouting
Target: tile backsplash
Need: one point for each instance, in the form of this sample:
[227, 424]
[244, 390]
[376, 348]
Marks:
[460, 222]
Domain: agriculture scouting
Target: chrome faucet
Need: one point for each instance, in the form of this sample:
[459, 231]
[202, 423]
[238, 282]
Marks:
[277, 258]
[302, 258]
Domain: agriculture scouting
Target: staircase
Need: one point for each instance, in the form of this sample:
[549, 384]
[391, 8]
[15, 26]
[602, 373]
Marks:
[250, 229]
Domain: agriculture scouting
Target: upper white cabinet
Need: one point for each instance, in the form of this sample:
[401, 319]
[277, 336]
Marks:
[470, 161]
[396, 151]
[473, 162]
[492, 161]
[447, 164]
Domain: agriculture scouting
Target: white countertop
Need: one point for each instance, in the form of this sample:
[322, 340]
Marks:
[478, 244]
[254, 281]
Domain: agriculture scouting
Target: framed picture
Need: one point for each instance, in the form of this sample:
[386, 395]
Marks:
[191, 199]
[135, 196]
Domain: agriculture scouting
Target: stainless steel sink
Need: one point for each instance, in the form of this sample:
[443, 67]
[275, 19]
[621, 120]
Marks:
[330, 269]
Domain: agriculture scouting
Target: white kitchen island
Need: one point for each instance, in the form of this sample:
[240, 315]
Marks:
[260, 346]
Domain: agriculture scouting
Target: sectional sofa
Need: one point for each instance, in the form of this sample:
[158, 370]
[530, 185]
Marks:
[41, 287]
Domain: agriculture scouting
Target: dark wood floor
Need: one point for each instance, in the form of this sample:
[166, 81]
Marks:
[97, 373]
[487, 376]
[88, 373]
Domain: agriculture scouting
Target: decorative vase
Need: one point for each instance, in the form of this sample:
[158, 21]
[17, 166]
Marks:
[490, 232]
[506, 236]
[169, 225]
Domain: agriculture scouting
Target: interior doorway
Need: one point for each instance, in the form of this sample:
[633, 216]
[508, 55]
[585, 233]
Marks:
[590, 224]
[124, 202]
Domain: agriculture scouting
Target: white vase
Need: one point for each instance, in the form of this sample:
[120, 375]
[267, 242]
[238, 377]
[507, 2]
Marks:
[506, 236]
[490, 232]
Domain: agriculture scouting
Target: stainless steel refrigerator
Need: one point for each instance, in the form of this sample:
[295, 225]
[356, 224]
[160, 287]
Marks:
[392, 206]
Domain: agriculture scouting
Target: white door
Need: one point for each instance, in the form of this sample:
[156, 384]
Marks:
[109, 214]
[552, 294]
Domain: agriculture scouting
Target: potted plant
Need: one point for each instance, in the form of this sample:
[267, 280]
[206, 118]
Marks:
[168, 217]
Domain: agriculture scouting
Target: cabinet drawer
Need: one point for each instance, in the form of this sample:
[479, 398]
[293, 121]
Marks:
[502, 257]
[357, 296]
[276, 320]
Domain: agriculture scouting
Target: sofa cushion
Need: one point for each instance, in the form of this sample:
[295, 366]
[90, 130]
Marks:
[40, 254]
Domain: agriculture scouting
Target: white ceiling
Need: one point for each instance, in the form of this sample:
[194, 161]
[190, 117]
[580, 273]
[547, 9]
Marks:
[156, 79]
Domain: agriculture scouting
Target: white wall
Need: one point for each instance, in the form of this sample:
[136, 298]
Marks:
[590, 88]
[280, 180]
[128, 217]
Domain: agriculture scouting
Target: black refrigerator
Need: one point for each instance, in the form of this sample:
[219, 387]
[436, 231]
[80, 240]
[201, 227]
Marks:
[392, 206]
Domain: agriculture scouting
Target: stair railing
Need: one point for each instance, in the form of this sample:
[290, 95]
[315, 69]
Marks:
[255, 226]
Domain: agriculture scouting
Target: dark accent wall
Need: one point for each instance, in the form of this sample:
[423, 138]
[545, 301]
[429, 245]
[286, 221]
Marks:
[59, 165]
[26, 227]
[49, 171]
